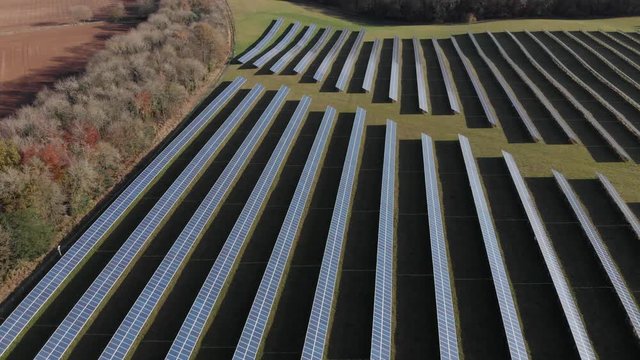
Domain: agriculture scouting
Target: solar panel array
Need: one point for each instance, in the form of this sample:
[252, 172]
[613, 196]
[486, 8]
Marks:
[210, 293]
[613, 273]
[394, 84]
[501, 282]
[98, 291]
[263, 306]
[374, 58]
[350, 62]
[624, 208]
[612, 49]
[445, 309]
[39, 296]
[289, 55]
[617, 41]
[263, 42]
[316, 339]
[602, 58]
[628, 37]
[281, 45]
[323, 69]
[567, 94]
[382, 326]
[138, 316]
[552, 261]
[515, 102]
[620, 117]
[450, 85]
[303, 64]
[477, 85]
[421, 77]
[538, 93]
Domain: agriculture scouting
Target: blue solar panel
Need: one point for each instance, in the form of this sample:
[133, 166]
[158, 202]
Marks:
[350, 62]
[289, 55]
[263, 43]
[618, 115]
[212, 290]
[36, 300]
[515, 102]
[574, 102]
[323, 69]
[477, 85]
[446, 312]
[381, 332]
[538, 93]
[450, 85]
[264, 59]
[255, 328]
[421, 77]
[501, 282]
[98, 291]
[624, 208]
[374, 58]
[313, 52]
[601, 250]
[315, 341]
[551, 259]
[139, 314]
[394, 82]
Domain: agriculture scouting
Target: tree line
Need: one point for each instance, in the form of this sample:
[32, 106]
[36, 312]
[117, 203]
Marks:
[67, 149]
[471, 10]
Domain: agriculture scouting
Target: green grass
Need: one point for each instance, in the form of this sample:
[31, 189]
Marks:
[534, 160]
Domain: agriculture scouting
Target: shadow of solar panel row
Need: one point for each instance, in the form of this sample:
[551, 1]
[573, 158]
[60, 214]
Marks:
[315, 343]
[124, 338]
[209, 295]
[40, 295]
[622, 43]
[604, 48]
[262, 43]
[98, 292]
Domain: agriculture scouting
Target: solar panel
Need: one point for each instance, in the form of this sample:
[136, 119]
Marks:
[613, 273]
[602, 58]
[262, 43]
[624, 208]
[212, 290]
[255, 328]
[515, 102]
[140, 313]
[477, 85]
[621, 118]
[501, 282]
[350, 62]
[303, 64]
[289, 55]
[331, 56]
[382, 326]
[538, 93]
[394, 82]
[574, 102]
[374, 58]
[612, 49]
[554, 266]
[315, 342]
[628, 37]
[30, 307]
[264, 59]
[421, 78]
[450, 85]
[98, 291]
[593, 71]
[617, 41]
[445, 309]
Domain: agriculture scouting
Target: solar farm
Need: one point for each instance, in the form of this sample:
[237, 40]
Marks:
[344, 195]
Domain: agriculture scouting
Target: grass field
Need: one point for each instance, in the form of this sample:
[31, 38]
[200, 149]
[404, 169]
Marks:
[535, 160]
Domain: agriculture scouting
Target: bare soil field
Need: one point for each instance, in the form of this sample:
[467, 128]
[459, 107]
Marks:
[38, 45]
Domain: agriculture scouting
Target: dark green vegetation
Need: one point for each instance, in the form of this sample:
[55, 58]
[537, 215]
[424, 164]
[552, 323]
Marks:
[472, 10]
[61, 154]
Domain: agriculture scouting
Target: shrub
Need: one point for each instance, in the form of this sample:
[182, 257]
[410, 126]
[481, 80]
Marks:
[31, 235]
[81, 13]
[116, 12]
